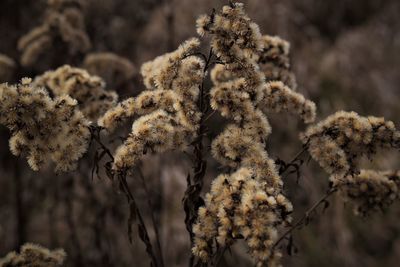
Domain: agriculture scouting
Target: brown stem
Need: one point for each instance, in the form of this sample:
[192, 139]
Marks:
[136, 214]
[305, 217]
[95, 133]
[149, 203]
[292, 163]
[220, 255]
[98, 225]
[192, 200]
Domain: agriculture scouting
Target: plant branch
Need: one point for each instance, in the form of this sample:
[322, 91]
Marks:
[192, 199]
[95, 131]
[135, 214]
[306, 217]
[149, 203]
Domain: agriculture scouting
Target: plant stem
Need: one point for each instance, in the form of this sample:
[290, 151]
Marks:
[135, 213]
[192, 199]
[305, 217]
[149, 203]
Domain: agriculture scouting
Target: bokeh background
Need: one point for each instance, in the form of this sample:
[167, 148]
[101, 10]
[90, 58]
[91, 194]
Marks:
[345, 54]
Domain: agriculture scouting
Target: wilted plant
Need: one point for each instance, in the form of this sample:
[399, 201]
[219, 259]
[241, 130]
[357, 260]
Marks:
[171, 116]
[54, 118]
[370, 190]
[35, 256]
[339, 140]
[42, 128]
[115, 70]
[93, 99]
[63, 22]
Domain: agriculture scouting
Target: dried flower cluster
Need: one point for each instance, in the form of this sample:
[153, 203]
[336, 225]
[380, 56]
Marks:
[280, 98]
[50, 121]
[7, 68]
[275, 62]
[248, 203]
[43, 128]
[64, 22]
[33, 255]
[241, 206]
[337, 142]
[370, 190]
[170, 114]
[342, 138]
[93, 99]
[243, 57]
[115, 70]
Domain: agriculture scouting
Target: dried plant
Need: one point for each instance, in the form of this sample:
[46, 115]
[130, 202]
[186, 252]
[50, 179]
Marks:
[342, 138]
[35, 256]
[63, 113]
[248, 203]
[93, 99]
[275, 62]
[115, 70]
[370, 190]
[170, 116]
[63, 21]
[42, 128]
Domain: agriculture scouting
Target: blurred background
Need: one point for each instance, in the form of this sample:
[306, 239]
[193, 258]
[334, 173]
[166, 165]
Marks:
[345, 55]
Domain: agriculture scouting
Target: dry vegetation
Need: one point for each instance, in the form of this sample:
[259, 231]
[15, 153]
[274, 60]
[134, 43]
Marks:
[127, 141]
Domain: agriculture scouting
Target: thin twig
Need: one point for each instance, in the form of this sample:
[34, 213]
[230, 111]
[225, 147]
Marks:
[192, 199]
[305, 217]
[220, 256]
[134, 209]
[209, 115]
[143, 233]
[149, 203]
[95, 131]
[293, 161]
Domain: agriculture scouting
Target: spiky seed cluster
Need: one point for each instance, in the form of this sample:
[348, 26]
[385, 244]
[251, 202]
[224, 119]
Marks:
[370, 190]
[7, 68]
[171, 116]
[237, 147]
[42, 128]
[342, 138]
[278, 97]
[275, 62]
[271, 97]
[160, 73]
[233, 33]
[240, 205]
[237, 41]
[220, 74]
[115, 70]
[248, 203]
[155, 132]
[93, 99]
[63, 21]
[35, 256]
